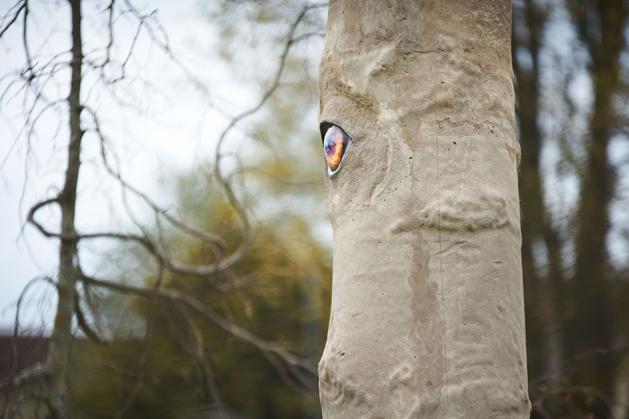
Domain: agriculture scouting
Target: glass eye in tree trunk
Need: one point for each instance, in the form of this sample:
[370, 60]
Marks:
[417, 119]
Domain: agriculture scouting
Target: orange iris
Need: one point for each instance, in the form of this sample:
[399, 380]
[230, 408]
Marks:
[336, 152]
[335, 145]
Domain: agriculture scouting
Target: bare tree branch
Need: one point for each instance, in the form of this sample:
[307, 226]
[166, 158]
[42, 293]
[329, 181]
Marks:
[21, 6]
[218, 175]
[175, 297]
[32, 85]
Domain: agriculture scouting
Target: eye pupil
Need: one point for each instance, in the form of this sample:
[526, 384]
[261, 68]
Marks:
[335, 145]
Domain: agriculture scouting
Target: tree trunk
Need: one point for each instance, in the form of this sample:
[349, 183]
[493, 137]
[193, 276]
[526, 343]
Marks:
[61, 339]
[593, 324]
[536, 224]
[620, 398]
[427, 316]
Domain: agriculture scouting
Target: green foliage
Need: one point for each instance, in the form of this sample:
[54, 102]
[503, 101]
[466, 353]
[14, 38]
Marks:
[279, 291]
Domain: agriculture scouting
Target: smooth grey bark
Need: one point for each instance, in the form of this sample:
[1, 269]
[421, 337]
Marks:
[427, 317]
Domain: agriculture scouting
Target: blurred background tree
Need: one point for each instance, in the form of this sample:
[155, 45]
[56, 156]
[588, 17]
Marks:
[570, 64]
[170, 363]
[176, 363]
[176, 322]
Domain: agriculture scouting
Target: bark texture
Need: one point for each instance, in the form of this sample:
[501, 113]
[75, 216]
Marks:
[427, 313]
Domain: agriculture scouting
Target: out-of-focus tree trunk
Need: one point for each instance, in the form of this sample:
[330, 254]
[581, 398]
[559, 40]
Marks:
[536, 224]
[601, 28]
[620, 401]
[427, 314]
[61, 339]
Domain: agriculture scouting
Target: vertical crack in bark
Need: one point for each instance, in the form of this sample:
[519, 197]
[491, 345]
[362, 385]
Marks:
[442, 285]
